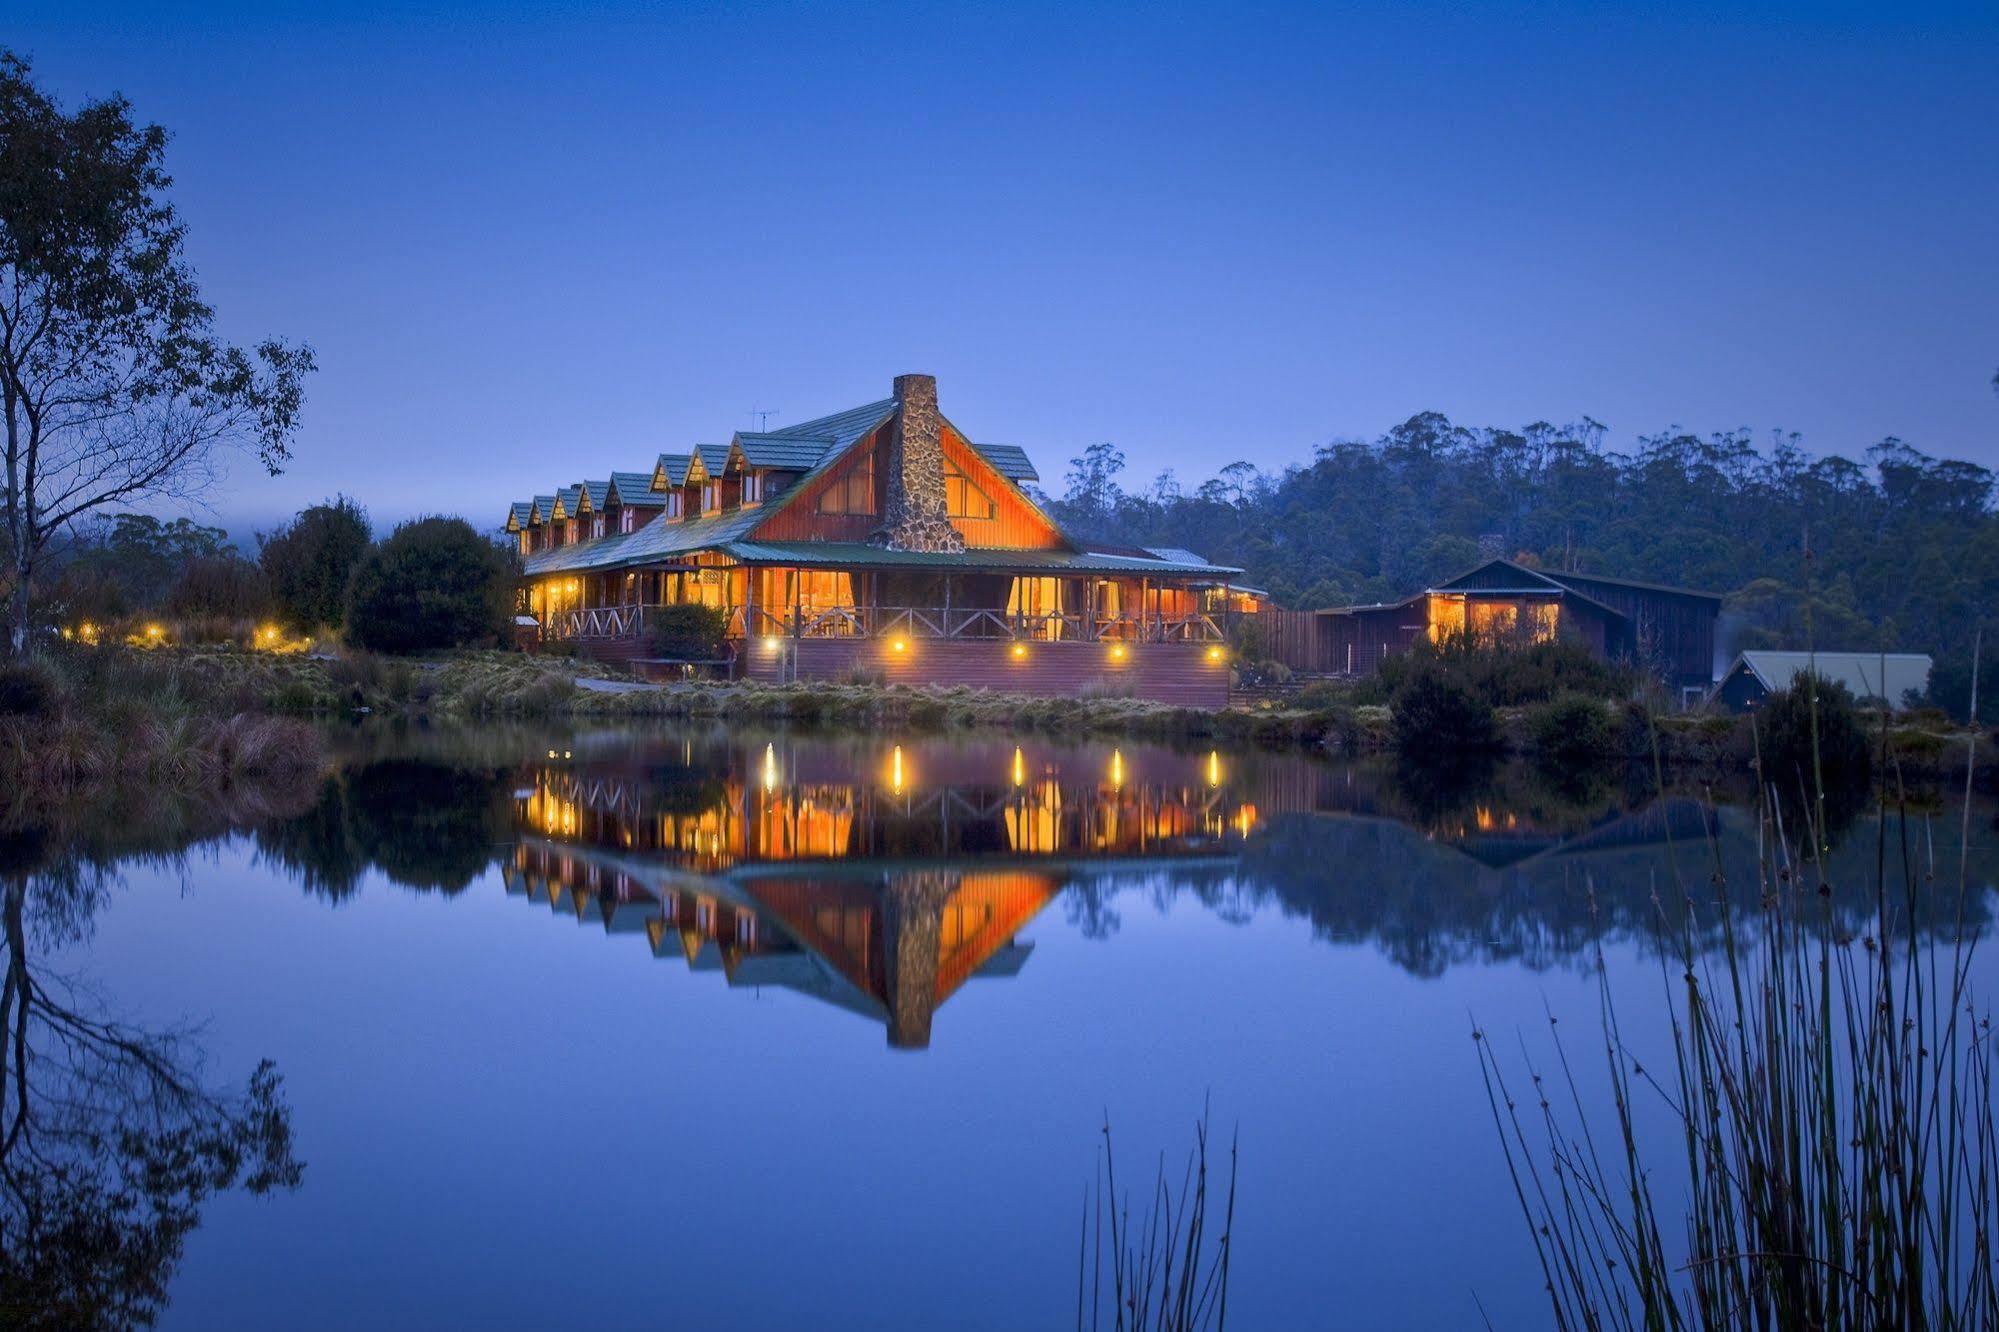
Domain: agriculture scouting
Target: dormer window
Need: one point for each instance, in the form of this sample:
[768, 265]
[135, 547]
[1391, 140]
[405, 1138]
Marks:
[711, 496]
[753, 487]
[674, 507]
[597, 526]
[627, 520]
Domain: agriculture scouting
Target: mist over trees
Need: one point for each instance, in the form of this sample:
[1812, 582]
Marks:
[1897, 551]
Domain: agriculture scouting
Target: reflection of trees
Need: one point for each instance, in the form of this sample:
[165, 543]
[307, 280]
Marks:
[425, 825]
[110, 1140]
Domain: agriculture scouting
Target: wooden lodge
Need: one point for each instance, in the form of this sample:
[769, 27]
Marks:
[880, 540]
[1667, 630]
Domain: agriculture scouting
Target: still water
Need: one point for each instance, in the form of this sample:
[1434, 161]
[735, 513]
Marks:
[643, 1028]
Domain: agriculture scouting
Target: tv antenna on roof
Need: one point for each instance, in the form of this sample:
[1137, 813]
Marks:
[763, 415]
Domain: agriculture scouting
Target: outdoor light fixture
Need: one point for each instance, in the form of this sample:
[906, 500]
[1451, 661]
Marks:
[1214, 654]
[772, 643]
[899, 645]
[1019, 650]
[1117, 652]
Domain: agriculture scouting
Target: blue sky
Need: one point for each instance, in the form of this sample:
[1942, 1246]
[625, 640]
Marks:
[531, 243]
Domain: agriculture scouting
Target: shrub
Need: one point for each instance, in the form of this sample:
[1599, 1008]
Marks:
[688, 633]
[1784, 730]
[1506, 675]
[862, 675]
[1436, 715]
[434, 583]
[1104, 689]
[27, 689]
[223, 586]
[1573, 729]
[311, 560]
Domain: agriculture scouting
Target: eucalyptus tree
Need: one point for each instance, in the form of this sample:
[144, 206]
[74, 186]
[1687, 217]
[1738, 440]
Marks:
[114, 387]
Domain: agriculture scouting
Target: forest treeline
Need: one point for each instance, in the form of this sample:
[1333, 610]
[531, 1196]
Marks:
[1899, 551]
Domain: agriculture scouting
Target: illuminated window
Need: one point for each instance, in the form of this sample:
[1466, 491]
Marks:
[853, 493]
[962, 498]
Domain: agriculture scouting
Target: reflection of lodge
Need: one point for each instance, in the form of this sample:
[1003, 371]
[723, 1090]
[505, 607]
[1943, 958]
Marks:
[861, 894]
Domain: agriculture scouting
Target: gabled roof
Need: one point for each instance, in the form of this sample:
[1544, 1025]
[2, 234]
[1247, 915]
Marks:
[543, 510]
[567, 502]
[714, 457]
[671, 468]
[598, 491]
[661, 539]
[634, 490]
[1887, 675]
[1498, 575]
[518, 514]
[1009, 460]
[1573, 578]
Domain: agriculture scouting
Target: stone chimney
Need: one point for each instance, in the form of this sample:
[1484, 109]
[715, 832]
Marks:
[914, 514]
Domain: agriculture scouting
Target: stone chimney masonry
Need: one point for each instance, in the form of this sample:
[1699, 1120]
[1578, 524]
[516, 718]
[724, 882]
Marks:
[915, 516]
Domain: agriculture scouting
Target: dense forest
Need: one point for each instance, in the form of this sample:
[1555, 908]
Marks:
[1898, 552]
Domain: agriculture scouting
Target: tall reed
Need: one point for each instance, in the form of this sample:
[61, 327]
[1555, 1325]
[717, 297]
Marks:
[1831, 1096]
[1166, 1273]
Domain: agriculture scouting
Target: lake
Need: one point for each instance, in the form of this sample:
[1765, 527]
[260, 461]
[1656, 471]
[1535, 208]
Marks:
[646, 1027]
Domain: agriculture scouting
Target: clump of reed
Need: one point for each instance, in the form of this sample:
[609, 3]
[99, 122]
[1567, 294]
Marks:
[1832, 1096]
[1167, 1271]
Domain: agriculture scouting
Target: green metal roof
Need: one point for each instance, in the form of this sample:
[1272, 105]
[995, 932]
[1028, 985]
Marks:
[597, 490]
[854, 554]
[675, 466]
[1009, 460]
[787, 452]
[661, 538]
[517, 515]
[714, 457]
[543, 510]
[634, 490]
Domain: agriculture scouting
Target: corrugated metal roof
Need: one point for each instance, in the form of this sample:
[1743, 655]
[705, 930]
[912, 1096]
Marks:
[1009, 460]
[659, 538]
[1867, 674]
[858, 555]
[1572, 578]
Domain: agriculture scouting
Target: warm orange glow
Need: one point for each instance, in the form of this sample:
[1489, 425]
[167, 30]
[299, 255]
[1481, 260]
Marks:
[1019, 767]
[1245, 819]
[770, 768]
[1019, 651]
[1215, 654]
[1118, 652]
[772, 643]
[1214, 768]
[899, 645]
[1117, 767]
[895, 774]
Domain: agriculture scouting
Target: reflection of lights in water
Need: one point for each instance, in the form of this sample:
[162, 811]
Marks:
[770, 768]
[1117, 767]
[895, 770]
[1245, 819]
[1019, 767]
[1214, 768]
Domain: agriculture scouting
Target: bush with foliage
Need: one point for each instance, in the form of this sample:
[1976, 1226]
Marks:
[225, 586]
[311, 560]
[688, 633]
[1572, 728]
[1509, 676]
[434, 583]
[1788, 722]
[1435, 715]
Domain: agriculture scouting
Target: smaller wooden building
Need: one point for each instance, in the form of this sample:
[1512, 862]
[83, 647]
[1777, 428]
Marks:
[1667, 630]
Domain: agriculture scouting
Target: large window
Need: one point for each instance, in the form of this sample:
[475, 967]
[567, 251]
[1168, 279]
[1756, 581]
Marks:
[962, 498]
[853, 493]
